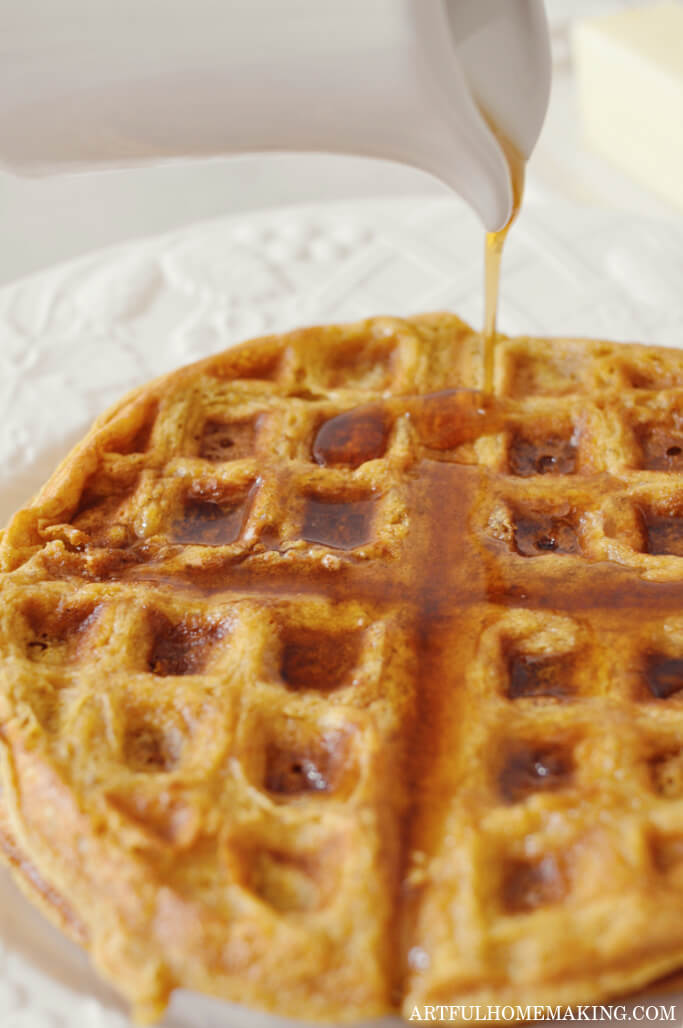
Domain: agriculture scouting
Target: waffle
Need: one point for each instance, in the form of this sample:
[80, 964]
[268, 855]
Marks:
[332, 686]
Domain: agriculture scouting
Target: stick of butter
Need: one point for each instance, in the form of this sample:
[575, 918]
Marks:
[629, 69]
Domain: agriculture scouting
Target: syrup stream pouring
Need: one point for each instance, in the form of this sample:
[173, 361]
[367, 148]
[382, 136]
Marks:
[493, 255]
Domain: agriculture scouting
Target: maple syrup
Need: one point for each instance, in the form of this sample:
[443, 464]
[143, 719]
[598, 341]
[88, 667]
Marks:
[554, 456]
[532, 674]
[317, 660]
[664, 676]
[493, 252]
[352, 438]
[208, 522]
[340, 524]
[541, 534]
[529, 769]
[446, 419]
[181, 649]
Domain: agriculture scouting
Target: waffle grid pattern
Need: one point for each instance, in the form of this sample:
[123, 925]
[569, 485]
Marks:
[311, 648]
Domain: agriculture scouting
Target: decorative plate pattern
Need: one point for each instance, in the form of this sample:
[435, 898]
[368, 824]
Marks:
[74, 338]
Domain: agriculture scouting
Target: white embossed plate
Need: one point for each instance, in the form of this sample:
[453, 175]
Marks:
[75, 337]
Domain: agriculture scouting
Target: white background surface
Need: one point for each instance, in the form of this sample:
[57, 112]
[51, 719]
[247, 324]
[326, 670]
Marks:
[48, 220]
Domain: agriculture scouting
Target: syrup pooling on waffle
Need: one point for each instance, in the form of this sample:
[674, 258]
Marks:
[331, 684]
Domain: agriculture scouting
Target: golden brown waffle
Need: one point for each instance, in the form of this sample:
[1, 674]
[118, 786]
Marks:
[331, 686]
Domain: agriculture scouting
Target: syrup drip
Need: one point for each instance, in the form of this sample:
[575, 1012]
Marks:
[208, 523]
[451, 417]
[352, 438]
[342, 525]
[493, 253]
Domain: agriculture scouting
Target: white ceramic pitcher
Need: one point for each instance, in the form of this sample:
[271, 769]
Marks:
[90, 83]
